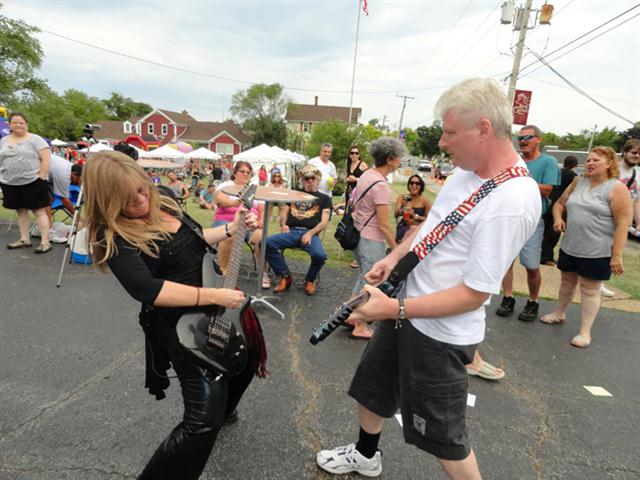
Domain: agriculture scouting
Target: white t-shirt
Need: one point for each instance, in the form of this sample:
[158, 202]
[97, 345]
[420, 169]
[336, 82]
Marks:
[328, 170]
[60, 175]
[478, 252]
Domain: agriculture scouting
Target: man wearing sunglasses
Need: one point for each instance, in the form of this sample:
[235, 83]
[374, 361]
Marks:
[301, 223]
[544, 170]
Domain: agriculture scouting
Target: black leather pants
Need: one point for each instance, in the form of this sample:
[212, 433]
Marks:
[184, 453]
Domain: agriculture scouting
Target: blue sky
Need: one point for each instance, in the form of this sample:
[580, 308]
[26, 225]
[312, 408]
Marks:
[415, 48]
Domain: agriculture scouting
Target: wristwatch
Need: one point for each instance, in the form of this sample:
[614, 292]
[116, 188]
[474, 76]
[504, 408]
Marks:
[402, 314]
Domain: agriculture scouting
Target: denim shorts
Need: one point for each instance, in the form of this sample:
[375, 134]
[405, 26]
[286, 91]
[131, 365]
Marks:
[530, 253]
[426, 378]
[217, 223]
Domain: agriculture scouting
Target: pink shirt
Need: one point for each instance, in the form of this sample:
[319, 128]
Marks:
[227, 214]
[379, 194]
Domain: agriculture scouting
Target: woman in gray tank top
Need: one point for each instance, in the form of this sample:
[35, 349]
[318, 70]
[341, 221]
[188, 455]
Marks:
[598, 215]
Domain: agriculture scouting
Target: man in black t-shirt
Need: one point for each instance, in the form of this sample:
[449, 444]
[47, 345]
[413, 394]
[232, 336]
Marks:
[301, 222]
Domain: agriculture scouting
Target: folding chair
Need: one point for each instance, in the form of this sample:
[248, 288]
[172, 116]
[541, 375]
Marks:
[57, 205]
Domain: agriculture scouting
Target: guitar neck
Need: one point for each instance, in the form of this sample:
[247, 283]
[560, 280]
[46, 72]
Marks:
[233, 266]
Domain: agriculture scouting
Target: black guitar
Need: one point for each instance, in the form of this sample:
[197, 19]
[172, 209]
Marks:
[212, 335]
[390, 287]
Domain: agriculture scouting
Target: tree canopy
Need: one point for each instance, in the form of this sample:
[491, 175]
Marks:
[20, 57]
[261, 109]
[120, 107]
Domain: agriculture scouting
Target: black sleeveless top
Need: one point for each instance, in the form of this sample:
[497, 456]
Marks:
[357, 172]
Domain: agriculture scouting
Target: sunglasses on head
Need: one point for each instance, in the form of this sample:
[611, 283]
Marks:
[525, 138]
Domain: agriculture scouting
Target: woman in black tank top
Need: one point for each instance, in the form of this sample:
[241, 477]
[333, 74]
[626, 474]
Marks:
[355, 168]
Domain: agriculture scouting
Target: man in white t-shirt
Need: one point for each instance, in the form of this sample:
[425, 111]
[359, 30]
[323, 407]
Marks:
[327, 168]
[423, 342]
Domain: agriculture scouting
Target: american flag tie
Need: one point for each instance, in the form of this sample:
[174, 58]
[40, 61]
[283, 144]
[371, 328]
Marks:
[450, 222]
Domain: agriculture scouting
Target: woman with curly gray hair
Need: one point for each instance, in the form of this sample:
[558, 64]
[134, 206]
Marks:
[372, 198]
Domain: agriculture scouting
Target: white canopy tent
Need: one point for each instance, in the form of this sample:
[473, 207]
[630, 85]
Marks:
[203, 154]
[269, 157]
[167, 153]
[56, 142]
[96, 147]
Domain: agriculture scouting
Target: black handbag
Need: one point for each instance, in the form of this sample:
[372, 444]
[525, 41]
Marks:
[346, 233]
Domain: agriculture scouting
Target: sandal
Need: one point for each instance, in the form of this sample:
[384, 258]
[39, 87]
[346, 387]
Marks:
[18, 244]
[354, 264]
[552, 318]
[488, 372]
[43, 248]
[580, 341]
[365, 335]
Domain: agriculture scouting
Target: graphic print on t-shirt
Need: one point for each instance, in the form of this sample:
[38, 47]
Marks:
[304, 210]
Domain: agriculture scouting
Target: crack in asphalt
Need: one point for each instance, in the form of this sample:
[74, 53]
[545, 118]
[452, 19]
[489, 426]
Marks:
[309, 405]
[27, 470]
[67, 397]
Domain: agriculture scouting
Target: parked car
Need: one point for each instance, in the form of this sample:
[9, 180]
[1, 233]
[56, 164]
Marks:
[424, 166]
[443, 171]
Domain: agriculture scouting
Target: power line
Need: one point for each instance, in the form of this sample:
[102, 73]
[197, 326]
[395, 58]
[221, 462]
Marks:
[585, 42]
[578, 89]
[582, 36]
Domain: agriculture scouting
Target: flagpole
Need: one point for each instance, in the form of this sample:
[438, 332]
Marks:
[355, 55]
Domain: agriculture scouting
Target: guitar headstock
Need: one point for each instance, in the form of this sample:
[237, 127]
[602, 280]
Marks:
[247, 194]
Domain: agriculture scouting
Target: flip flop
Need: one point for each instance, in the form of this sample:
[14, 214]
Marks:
[551, 319]
[580, 342]
[365, 336]
[488, 372]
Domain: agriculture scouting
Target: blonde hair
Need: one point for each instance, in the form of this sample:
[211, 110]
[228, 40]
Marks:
[609, 153]
[475, 98]
[110, 182]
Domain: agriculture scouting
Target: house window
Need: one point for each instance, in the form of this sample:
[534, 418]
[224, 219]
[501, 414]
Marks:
[306, 127]
[165, 129]
[150, 128]
[224, 148]
[138, 128]
[127, 127]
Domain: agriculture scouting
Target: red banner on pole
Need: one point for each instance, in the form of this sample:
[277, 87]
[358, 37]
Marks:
[521, 104]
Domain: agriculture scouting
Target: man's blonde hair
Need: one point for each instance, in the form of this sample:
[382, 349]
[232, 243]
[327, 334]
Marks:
[110, 183]
[478, 98]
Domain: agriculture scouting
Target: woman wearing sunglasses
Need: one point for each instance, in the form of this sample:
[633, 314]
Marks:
[411, 209]
[355, 168]
[226, 211]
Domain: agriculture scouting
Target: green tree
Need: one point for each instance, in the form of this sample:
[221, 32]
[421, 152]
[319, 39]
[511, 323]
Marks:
[633, 132]
[20, 57]
[261, 109]
[50, 116]
[428, 138]
[85, 108]
[120, 107]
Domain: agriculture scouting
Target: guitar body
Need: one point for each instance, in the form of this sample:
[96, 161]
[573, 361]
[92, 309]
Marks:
[215, 341]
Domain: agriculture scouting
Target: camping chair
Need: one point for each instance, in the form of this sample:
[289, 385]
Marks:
[57, 205]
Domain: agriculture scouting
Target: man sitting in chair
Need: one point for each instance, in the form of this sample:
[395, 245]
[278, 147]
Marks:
[301, 222]
[62, 175]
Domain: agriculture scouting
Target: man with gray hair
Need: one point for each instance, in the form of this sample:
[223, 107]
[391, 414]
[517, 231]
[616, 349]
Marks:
[417, 356]
[327, 168]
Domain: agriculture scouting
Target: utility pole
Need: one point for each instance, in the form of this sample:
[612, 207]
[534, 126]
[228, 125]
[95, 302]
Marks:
[515, 70]
[404, 104]
[355, 56]
[384, 119]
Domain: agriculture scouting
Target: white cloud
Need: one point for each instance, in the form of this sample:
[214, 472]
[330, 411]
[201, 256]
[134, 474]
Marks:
[310, 45]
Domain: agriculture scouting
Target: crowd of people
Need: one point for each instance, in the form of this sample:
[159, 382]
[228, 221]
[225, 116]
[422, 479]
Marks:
[430, 346]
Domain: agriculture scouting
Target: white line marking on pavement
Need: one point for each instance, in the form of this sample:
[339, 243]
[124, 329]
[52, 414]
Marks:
[597, 391]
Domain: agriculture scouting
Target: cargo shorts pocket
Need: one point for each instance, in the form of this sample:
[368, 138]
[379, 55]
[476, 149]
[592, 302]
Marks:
[436, 408]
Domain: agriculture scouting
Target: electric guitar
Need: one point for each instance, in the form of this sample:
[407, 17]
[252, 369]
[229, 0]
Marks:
[214, 336]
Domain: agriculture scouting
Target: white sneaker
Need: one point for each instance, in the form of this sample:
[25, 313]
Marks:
[605, 292]
[53, 238]
[347, 459]
[266, 281]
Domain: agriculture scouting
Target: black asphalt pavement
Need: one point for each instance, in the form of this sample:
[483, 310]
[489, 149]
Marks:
[73, 406]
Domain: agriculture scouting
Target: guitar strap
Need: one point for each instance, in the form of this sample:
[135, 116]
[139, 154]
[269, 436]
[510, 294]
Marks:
[450, 222]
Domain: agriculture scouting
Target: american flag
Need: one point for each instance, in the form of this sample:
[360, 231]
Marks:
[365, 7]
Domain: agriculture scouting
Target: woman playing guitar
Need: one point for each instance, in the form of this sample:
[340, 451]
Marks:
[157, 257]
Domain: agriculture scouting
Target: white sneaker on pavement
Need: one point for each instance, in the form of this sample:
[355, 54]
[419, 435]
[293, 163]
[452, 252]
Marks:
[347, 459]
[55, 238]
[605, 292]
[266, 281]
